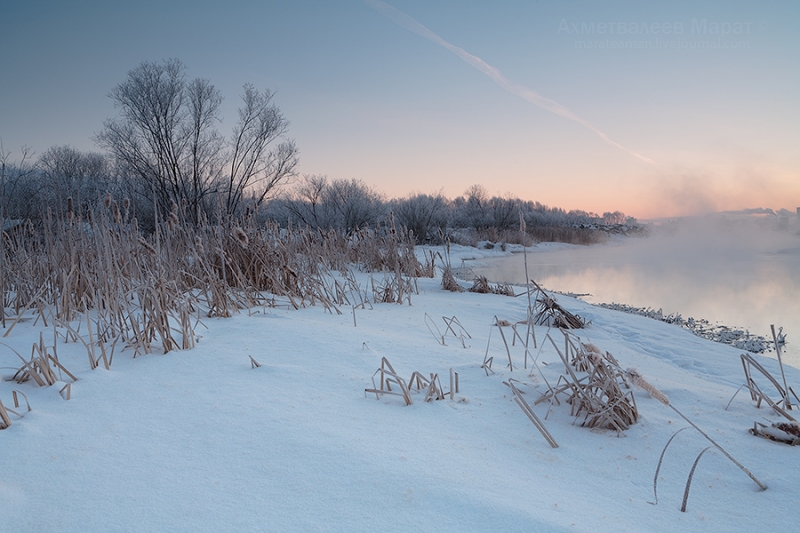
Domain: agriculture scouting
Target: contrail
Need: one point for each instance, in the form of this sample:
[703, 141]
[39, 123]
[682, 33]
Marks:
[523, 92]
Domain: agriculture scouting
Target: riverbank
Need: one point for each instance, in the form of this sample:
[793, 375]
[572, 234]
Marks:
[739, 289]
[205, 440]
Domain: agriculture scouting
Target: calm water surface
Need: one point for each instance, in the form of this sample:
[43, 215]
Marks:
[740, 279]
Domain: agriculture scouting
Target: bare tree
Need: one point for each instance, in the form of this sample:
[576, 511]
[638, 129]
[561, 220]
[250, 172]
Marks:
[424, 214]
[19, 185]
[70, 173]
[252, 163]
[473, 209]
[347, 205]
[166, 136]
[306, 205]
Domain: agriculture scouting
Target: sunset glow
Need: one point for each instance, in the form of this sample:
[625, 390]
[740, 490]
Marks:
[651, 110]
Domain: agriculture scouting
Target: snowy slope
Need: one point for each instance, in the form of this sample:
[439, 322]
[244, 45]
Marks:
[199, 441]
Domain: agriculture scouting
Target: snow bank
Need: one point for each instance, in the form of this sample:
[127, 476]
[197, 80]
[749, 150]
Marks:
[199, 441]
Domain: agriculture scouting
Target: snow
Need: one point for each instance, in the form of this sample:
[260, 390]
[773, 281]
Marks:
[198, 440]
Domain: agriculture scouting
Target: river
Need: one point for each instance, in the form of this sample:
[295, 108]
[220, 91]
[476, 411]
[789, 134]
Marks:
[733, 274]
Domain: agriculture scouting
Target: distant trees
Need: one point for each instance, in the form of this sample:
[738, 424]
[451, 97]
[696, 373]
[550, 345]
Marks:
[69, 173]
[479, 211]
[19, 185]
[425, 215]
[617, 217]
[165, 137]
[319, 203]
[164, 150]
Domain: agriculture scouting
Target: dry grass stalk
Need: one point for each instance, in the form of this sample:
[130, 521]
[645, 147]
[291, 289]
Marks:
[689, 479]
[450, 322]
[526, 408]
[431, 327]
[449, 282]
[38, 368]
[658, 466]
[786, 403]
[432, 385]
[453, 383]
[637, 380]
[5, 421]
[487, 361]
[14, 394]
[66, 391]
[254, 363]
[758, 395]
[387, 377]
[720, 448]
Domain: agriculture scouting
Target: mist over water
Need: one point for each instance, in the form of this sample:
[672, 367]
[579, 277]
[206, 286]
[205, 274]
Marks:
[736, 272]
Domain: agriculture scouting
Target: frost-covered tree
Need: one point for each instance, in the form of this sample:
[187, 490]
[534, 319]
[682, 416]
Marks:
[426, 215]
[20, 184]
[320, 203]
[165, 137]
[70, 173]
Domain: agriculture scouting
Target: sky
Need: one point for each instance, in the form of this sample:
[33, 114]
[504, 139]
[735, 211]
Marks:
[654, 109]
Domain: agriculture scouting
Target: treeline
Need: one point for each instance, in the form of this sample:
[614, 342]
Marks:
[165, 155]
[318, 202]
[66, 182]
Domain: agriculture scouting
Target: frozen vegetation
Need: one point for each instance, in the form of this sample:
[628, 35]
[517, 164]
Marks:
[216, 396]
[737, 337]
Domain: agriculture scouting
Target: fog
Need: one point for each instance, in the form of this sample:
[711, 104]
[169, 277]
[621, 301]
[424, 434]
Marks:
[732, 270]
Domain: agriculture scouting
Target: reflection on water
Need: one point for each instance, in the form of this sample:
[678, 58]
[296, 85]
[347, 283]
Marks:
[748, 282]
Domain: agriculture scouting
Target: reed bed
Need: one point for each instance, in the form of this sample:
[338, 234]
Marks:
[99, 280]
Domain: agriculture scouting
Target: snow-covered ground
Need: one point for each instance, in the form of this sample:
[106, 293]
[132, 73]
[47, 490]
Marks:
[198, 440]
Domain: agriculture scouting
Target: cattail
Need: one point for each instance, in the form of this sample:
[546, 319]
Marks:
[108, 200]
[591, 348]
[198, 244]
[391, 219]
[146, 245]
[117, 214]
[70, 209]
[241, 237]
[638, 381]
[521, 222]
[172, 221]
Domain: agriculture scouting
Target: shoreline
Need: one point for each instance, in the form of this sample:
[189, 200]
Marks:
[736, 336]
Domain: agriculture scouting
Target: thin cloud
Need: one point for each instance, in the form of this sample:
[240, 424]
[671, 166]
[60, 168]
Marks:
[405, 21]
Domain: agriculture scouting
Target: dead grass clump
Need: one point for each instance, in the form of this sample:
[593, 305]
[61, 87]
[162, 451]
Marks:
[481, 285]
[548, 312]
[449, 282]
[599, 395]
[785, 432]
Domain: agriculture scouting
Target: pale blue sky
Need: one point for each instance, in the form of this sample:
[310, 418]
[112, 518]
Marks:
[371, 100]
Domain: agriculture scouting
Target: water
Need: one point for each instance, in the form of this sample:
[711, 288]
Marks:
[745, 277]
